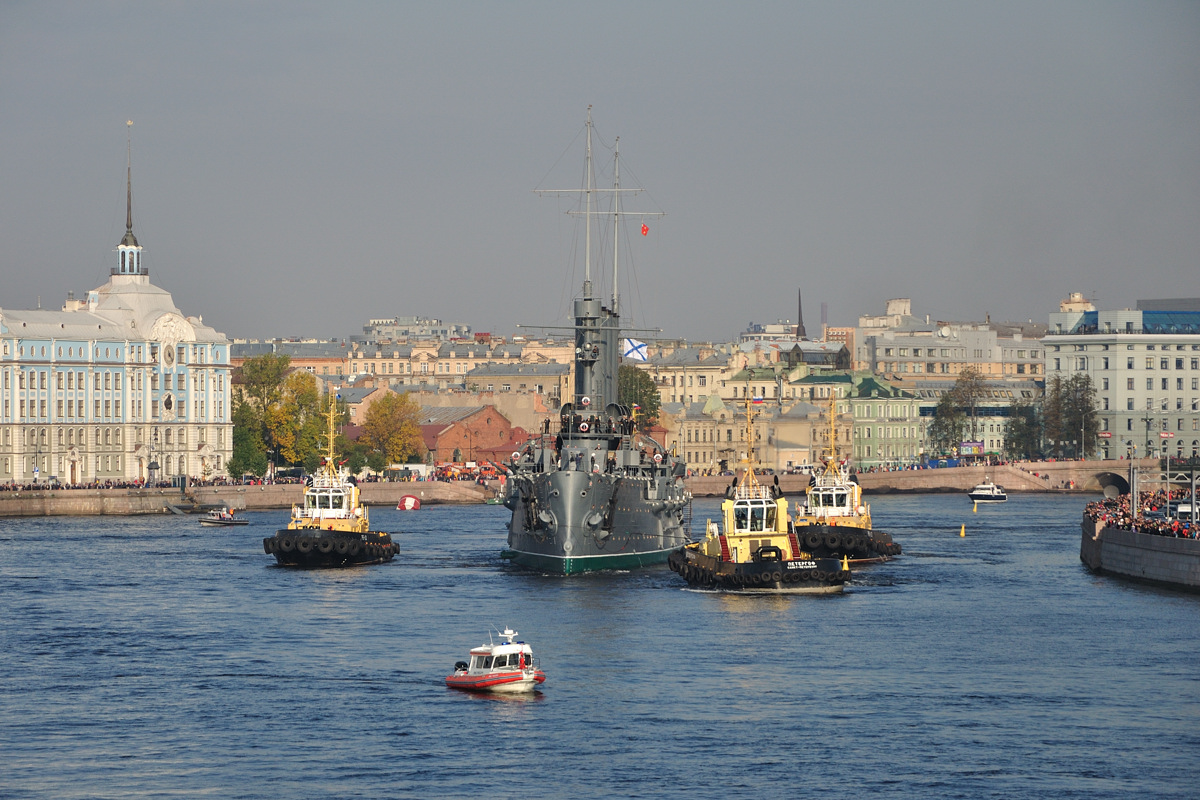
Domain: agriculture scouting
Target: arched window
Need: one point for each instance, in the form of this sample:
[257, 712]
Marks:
[182, 465]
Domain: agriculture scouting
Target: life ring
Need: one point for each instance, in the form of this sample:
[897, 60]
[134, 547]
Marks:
[585, 401]
[658, 458]
[583, 427]
[286, 544]
[304, 544]
[325, 544]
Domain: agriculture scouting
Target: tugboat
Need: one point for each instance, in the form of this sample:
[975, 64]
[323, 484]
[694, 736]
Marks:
[988, 492]
[593, 493]
[505, 667]
[758, 550]
[331, 529]
[222, 517]
[834, 520]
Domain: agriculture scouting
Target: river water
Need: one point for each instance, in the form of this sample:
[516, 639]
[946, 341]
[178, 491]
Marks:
[151, 657]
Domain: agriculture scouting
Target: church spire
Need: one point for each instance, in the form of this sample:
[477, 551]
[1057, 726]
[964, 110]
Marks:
[129, 252]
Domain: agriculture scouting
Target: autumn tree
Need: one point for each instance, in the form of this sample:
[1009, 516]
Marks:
[392, 427]
[636, 387]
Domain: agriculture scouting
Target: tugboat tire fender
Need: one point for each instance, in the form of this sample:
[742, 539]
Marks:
[286, 544]
[304, 544]
[325, 544]
[812, 541]
[833, 541]
[267, 546]
[355, 547]
[342, 546]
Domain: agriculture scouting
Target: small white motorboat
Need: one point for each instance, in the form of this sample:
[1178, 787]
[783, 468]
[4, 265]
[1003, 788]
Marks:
[504, 667]
[987, 492]
[222, 517]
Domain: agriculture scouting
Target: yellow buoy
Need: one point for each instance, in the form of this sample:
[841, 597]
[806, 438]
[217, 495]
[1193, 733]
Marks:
[963, 531]
[845, 563]
[975, 509]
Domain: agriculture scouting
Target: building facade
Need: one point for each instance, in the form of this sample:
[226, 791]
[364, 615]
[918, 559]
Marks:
[118, 387]
[1144, 364]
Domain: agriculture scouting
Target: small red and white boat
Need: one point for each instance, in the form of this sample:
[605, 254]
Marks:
[409, 503]
[505, 667]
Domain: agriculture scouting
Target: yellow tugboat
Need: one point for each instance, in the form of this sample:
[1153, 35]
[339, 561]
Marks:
[755, 549]
[834, 520]
[331, 529]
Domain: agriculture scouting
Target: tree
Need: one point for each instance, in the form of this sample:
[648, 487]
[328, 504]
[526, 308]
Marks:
[262, 379]
[1069, 412]
[249, 451]
[636, 388]
[948, 425]
[392, 427]
[954, 417]
[295, 422]
[1023, 435]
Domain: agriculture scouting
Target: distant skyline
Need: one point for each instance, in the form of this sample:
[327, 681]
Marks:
[299, 168]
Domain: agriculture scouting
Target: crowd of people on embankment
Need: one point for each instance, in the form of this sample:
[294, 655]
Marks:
[1149, 516]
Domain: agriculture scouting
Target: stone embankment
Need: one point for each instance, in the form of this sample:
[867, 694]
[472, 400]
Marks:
[1035, 476]
[1083, 476]
[1142, 556]
[126, 502]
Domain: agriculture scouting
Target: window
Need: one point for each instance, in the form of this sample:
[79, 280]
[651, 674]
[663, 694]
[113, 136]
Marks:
[1129, 363]
[1104, 384]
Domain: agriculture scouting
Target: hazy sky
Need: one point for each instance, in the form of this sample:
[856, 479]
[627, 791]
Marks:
[301, 167]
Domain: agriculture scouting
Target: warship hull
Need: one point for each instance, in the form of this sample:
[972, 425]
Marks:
[566, 522]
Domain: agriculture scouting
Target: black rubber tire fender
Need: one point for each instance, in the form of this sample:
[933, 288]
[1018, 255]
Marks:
[325, 545]
[355, 547]
[286, 544]
[304, 544]
[812, 540]
[342, 546]
[833, 540]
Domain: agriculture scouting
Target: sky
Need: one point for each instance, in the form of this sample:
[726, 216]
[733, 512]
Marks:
[300, 168]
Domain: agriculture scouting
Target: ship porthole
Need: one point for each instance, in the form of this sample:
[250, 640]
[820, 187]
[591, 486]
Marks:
[583, 493]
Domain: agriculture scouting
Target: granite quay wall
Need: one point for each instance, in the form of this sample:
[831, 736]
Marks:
[127, 502]
[1052, 476]
[1141, 556]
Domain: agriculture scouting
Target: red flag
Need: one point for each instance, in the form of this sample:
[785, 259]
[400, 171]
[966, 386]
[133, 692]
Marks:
[645, 229]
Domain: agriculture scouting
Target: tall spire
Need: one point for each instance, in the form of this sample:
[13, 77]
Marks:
[800, 333]
[129, 252]
[130, 240]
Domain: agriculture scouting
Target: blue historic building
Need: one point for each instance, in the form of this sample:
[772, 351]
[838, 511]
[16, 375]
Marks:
[118, 386]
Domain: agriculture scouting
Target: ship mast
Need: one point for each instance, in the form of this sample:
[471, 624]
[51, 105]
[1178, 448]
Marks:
[589, 183]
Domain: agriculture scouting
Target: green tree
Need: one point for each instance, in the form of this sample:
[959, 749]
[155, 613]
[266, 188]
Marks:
[636, 387]
[262, 379]
[1069, 412]
[954, 417]
[392, 427]
[947, 427]
[1023, 434]
[249, 451]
